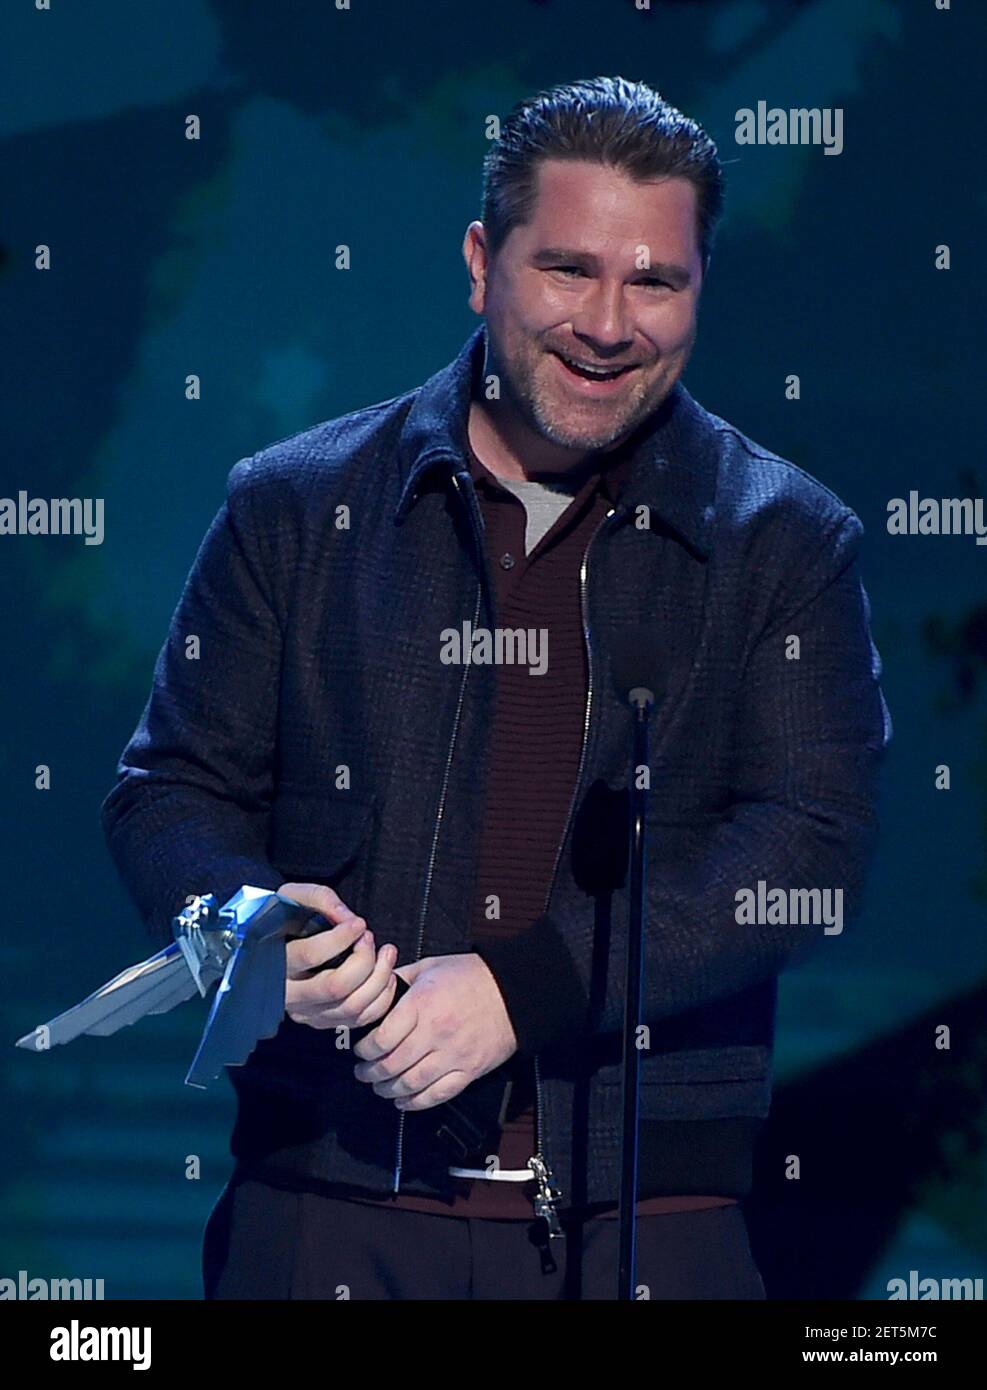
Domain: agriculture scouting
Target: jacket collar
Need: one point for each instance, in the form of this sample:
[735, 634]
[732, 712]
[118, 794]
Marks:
[672, 462]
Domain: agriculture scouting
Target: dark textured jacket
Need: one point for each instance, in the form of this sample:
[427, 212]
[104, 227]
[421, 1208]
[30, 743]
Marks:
[318, 736]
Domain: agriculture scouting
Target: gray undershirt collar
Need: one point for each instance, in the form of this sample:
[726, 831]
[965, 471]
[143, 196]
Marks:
[543, 503]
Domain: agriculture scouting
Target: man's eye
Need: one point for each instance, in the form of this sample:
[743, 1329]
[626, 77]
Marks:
[653, 281]
[568, 269]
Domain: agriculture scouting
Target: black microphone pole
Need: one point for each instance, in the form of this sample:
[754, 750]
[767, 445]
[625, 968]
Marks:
[642, 702]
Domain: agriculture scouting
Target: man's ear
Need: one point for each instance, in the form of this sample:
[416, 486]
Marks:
[475, 256]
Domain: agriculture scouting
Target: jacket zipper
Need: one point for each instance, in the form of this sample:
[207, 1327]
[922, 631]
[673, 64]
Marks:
[547, 1195]
[435, 842]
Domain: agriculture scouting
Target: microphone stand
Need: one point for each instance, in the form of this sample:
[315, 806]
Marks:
[642, 702]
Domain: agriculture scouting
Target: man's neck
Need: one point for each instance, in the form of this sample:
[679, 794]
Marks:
[510, 450]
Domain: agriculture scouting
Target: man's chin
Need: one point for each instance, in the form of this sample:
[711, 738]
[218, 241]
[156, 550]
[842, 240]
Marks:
[587, 439]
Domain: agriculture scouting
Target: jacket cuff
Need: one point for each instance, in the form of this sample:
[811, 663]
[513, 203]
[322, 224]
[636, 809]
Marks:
[226, 878]
[541, 988]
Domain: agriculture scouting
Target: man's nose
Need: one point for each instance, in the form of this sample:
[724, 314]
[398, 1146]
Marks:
[603, 320]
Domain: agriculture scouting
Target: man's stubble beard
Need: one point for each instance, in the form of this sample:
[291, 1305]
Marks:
[522, 392]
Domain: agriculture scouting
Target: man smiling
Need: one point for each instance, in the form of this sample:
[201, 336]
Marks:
[586, 343]
[463, 825]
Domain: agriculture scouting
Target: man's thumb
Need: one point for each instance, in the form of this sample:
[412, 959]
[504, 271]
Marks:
[409, 972]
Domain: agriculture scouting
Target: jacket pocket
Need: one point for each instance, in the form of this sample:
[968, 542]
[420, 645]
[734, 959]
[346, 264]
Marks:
[316, 835]
[693, 1066]
[741, 1063]
[700, 1083]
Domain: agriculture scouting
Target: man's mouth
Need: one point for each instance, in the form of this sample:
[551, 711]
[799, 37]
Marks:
[591, 371]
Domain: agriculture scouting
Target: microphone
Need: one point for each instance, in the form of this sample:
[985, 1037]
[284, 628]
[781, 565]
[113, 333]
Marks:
[637, 666]
[639, 674]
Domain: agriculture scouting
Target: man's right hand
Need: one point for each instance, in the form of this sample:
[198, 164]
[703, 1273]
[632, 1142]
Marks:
[359, 991]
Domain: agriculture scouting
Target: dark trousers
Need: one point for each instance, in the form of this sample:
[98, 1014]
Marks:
[263, 1242]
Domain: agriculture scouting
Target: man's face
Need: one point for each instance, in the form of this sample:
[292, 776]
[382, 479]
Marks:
[606, 274]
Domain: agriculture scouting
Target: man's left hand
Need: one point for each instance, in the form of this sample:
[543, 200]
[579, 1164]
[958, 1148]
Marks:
[449, 1029]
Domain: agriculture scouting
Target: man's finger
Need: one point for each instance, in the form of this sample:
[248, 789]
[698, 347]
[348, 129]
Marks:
[318, 896]
[446, 1088]
[412, 1079]
[330, 987]
[391, 1032]
[372, 1000]
[311, 952]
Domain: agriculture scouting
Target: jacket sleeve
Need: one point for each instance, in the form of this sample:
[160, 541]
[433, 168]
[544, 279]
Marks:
[189, 811]
[810, 737]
